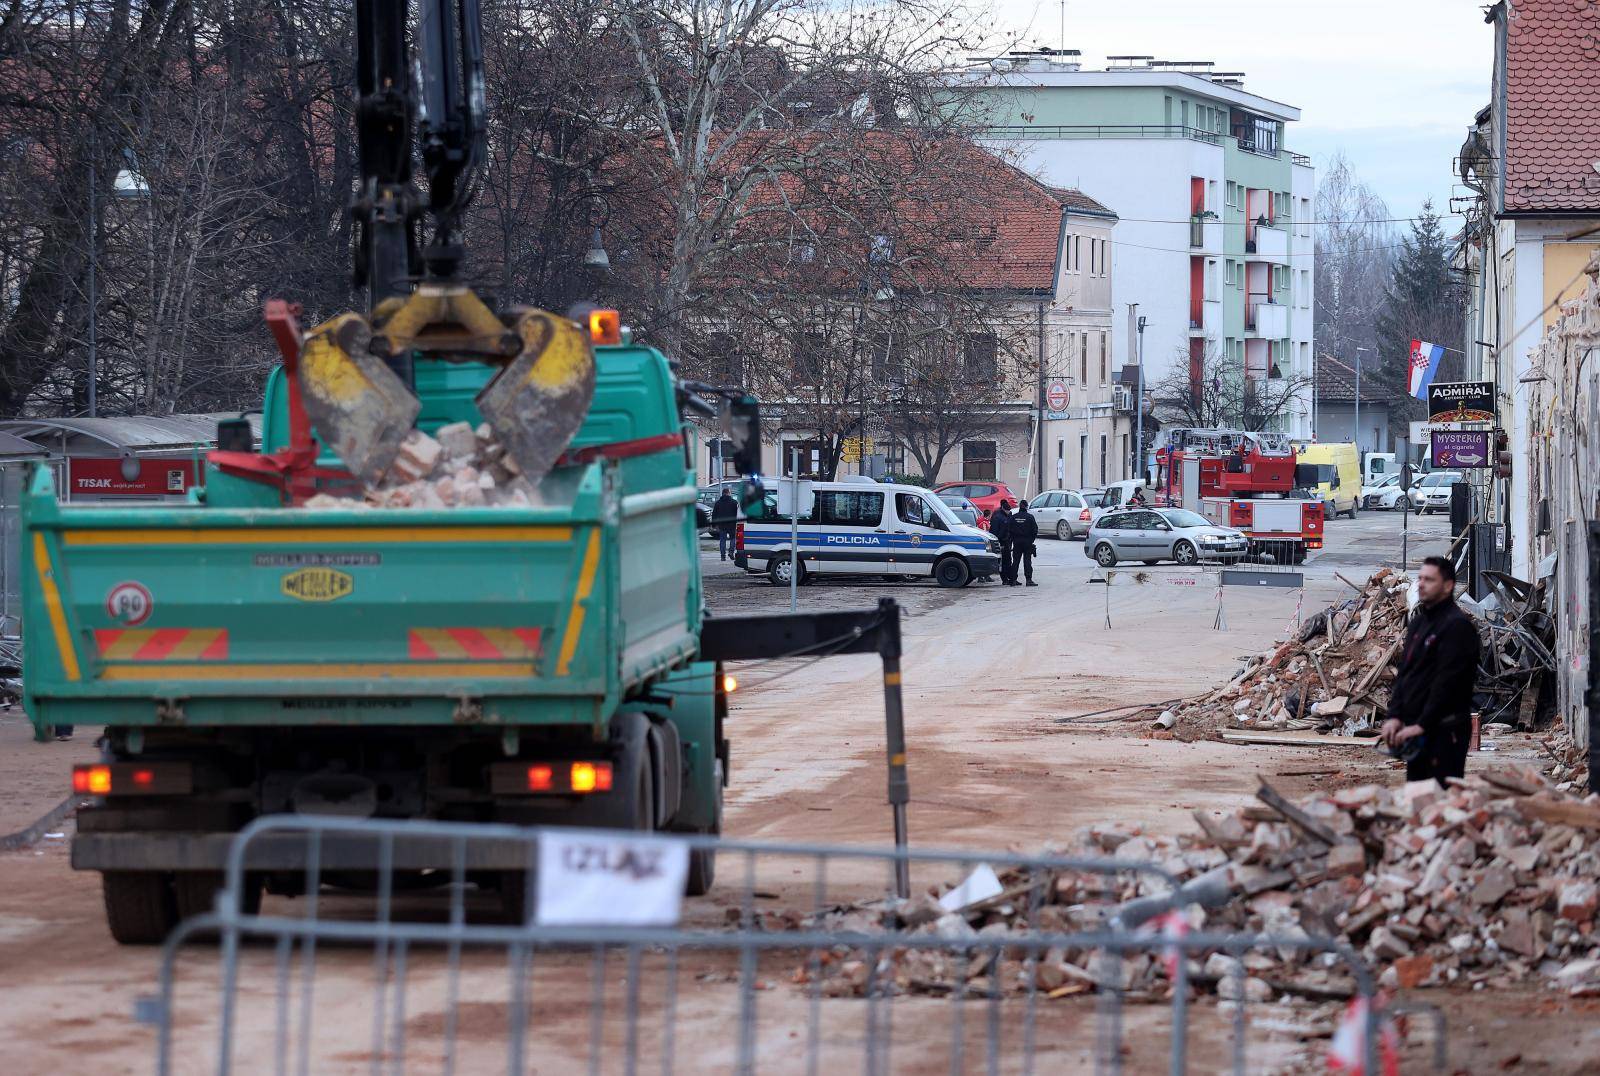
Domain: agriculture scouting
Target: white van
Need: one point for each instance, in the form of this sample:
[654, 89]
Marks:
[868, 528]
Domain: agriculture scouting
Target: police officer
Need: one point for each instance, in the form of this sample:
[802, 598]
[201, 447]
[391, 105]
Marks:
[1024, 533]
[1430, 704]
[1000, 527]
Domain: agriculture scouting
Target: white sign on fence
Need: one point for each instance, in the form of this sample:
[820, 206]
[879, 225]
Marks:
[598, 879]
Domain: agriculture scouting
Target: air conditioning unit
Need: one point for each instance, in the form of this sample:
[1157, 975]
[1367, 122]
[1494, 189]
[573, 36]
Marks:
[1121, 398]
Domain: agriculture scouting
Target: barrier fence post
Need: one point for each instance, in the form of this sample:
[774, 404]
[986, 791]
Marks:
[895, 738]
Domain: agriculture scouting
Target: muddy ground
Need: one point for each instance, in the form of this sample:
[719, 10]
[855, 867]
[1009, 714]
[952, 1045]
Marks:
[1010, 746]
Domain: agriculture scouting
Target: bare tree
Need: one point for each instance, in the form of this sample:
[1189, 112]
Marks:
[745, 92]
[1221, 396]
[1353, 245]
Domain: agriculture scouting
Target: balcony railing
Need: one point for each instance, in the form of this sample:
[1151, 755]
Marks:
[1268, 242]
[1031, 130]
[1197, 231]
[1268, 319]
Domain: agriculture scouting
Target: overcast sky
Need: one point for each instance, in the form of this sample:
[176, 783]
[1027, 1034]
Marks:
[1392, 84]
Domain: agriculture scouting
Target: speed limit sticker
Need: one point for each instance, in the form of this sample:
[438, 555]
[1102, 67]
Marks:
[130, 603]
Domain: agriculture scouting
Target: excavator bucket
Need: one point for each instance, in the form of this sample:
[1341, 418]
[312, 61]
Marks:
[538, 402]
[359, 406]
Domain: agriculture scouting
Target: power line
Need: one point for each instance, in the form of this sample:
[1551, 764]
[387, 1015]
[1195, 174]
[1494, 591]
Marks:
[1115, 242]
[1314, 223]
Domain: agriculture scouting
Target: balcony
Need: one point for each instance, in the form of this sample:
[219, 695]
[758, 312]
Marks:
[1268, 243]
[1205, 318]
[1205, 233]
[1267, 321]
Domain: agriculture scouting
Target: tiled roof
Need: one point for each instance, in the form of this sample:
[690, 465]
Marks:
[1552, 105]
[1336, 383]
[1076, 199]
[1006, 240]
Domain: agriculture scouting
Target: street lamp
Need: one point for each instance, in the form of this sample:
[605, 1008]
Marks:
[129, 182]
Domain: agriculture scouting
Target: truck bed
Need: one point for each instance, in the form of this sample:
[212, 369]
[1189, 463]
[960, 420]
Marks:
[200, 616]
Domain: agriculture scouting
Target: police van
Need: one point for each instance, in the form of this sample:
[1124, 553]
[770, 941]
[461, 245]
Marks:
[863, 527]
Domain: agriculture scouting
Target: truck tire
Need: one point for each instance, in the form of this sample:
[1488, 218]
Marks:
[952, 572]
[634, 770]
[703, 861]
[196, 892]
[140, 906]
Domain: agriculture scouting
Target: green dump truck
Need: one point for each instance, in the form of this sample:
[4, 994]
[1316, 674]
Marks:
[249, 656]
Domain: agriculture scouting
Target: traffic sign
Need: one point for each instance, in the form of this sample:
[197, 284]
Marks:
[1057, 397]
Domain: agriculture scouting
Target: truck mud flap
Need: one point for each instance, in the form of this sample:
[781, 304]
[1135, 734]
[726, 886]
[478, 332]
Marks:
[286, 852]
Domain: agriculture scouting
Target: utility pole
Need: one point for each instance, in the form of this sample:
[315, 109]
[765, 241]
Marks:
[1138, 406]
[1359, 467]
[94, 298]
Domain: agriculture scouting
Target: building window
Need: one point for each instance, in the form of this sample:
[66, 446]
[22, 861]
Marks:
[1077, 254]
[810, 458]
[1103, 446]
[1083, 358]
[1083, 344]
[1083, 460]
[1233, 194]
[978, 461]
[979, 358]
[1104, 377]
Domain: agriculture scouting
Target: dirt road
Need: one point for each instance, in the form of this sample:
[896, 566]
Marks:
[1008, 748]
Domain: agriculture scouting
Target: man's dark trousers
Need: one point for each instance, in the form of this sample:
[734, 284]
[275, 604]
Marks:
[1008, 563]
[1443, 754]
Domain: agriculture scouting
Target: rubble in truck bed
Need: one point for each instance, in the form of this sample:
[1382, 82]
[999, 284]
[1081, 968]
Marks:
[1490, 882]
[458, 466]
[1334, 675]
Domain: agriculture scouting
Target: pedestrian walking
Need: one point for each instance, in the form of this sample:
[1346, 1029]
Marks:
[1430, 702]
[1024, 535]
[725, 517]
[1000, 527]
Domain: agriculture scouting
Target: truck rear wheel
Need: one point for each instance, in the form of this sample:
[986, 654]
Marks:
[140, 906]
[196, 892]
[703, 861]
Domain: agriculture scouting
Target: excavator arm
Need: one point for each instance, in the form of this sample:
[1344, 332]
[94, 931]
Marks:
[355, 371]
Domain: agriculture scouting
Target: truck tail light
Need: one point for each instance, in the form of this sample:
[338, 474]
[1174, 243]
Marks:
[133, 779]
[591, 777]
[558, 777]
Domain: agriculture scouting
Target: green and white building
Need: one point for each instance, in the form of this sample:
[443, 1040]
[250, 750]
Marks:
[1214, 244]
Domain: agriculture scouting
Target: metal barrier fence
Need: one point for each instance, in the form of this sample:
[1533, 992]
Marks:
[805, 963]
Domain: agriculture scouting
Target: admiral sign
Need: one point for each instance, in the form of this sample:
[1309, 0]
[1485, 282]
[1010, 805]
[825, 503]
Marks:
[1461, 401]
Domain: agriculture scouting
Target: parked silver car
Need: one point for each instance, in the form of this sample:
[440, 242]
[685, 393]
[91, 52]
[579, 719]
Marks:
[1061, 513]
[1431, 493]
[1157, 534]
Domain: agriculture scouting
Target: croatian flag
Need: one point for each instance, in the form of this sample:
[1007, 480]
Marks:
[1424, 364]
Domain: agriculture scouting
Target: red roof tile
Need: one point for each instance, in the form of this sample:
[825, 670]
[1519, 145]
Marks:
[1336, 382]
[1552, 105]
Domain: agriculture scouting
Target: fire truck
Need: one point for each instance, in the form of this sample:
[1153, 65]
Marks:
[1243, 480]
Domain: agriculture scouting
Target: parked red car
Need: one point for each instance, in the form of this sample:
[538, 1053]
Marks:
[986, 495]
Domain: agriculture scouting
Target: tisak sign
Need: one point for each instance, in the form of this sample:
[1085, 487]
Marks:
[1461, 401]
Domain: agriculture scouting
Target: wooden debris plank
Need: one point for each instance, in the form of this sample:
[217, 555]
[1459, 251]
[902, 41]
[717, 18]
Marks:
[1296, 817]
[1561, 812]
[1291, 738]
[1371, 675]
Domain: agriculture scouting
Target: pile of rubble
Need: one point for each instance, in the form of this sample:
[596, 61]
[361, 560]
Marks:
[1490, 882]
[1333, 676]
[458, 466]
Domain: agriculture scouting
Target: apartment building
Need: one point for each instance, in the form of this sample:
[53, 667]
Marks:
[1214, 240]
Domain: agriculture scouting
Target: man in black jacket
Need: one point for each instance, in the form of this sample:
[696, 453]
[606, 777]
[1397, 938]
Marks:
[1000, 528]
[1431, 700]
[1024, 533]
[725, 517]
